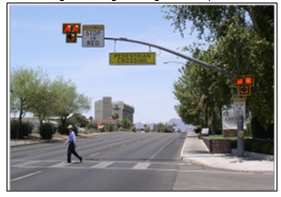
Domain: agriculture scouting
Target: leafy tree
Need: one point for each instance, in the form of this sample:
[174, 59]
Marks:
[243, 33]
[110, 127]
[164, 128]
[68, 101]
[79, 120]
[115, 116]
[160, 127]
[27, 88]
[125, 123]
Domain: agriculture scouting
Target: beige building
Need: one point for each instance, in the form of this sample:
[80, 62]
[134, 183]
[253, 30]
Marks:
[106, 107]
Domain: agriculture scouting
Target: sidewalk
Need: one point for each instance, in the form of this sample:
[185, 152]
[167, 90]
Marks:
[195, 151]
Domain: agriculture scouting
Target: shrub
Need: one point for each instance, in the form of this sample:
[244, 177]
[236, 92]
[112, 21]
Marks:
[248, 145]
[25, 130]
[92, 126]
[256, 147]
[47, 130]
[14, 127]
[234, 143]
[266, 148]
[272, 151]
[197, 130]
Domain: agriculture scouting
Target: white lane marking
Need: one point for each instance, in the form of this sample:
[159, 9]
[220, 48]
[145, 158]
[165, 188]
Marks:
[30, 162]
[25, 176]
[102, 165]
[95, 154]
[58, 165]
[123, 145]
[141, 166]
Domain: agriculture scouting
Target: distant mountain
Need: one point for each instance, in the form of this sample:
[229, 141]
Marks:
[180, 125]
[178, 122]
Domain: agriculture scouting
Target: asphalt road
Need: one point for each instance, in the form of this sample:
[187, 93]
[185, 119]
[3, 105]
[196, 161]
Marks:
[122, 162]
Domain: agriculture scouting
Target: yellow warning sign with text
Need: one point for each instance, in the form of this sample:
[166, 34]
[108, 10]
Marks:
[132, 58]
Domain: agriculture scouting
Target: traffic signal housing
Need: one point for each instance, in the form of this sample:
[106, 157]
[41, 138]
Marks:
[71, 38]
[243, 83]
[244, 80]
[71, 30]
[244, 90]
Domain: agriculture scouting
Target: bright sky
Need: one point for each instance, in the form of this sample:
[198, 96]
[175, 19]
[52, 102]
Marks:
[37, 40]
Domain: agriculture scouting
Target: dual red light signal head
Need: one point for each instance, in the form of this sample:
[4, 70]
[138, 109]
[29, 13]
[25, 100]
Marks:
[244, 84]
[244, 80]
[71, 30]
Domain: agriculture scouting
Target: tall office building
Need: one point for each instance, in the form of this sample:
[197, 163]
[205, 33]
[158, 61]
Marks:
[106, 107]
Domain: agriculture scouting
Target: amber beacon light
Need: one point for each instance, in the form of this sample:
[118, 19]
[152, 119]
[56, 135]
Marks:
[71, 30]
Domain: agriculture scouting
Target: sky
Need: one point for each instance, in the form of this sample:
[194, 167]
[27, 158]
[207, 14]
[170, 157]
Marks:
[37, 40]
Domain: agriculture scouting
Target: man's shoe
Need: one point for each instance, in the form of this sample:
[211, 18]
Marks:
[81, 159]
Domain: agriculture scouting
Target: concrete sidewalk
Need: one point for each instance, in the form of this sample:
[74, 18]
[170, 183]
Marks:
[195, 151]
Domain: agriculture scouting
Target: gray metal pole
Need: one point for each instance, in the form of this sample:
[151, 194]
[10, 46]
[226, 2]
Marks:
[240, 121]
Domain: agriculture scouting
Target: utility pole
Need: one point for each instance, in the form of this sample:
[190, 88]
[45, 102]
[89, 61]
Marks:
[240, 121]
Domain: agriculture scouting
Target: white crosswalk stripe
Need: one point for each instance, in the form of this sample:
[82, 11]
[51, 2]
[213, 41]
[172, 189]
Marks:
[141, 166]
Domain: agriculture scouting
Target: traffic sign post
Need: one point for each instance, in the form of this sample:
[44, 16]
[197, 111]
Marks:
[93, 36]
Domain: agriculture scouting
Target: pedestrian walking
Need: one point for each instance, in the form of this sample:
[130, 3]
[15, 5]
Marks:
[71, 142]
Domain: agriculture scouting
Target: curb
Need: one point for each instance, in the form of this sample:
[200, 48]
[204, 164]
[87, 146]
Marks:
[254, 155]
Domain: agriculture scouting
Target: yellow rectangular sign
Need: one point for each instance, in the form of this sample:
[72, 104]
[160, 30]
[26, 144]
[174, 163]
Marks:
[132, 58]
[93, 27]
[239, 100]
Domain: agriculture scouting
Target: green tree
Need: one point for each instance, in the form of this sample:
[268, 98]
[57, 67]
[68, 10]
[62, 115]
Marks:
[68, 101]
[26, 90]
[125, 123]
[115, 116]
[79, 120]
[235, 36]
[110, 127]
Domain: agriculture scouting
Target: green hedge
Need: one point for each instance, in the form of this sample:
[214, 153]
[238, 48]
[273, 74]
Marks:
[25, 130]
[251, 145]
[46, 131]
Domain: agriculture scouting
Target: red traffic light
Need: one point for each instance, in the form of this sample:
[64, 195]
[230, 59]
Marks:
[244, 80]
[71, 28]
[249, 80]
[75, 28]
[239, 81]
[66, 28]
